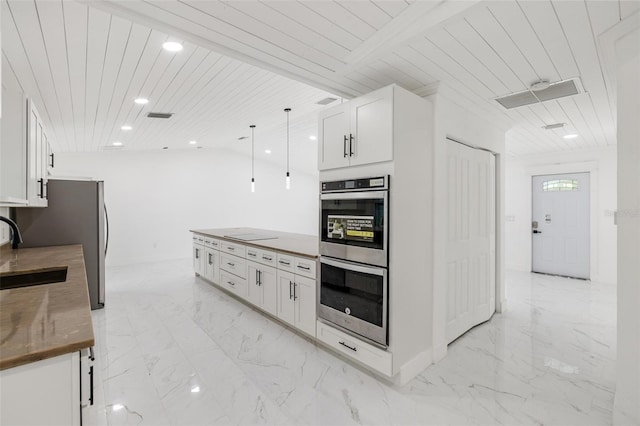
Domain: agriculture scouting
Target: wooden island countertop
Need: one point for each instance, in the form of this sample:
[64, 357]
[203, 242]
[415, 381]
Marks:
[44, 321]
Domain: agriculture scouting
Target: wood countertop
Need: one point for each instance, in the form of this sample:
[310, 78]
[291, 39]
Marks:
[296, 244]
[44, 321]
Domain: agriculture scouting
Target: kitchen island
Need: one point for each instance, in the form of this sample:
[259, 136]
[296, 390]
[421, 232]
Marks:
[277, 273]
[271, 270]
[43, 328]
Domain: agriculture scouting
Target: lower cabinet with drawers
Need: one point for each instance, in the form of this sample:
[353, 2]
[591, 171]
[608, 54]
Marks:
[284, 286]
[281, 284]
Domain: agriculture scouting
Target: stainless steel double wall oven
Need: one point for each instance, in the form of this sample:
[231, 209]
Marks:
[354, 235]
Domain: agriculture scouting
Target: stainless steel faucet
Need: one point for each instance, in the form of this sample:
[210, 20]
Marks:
[16, 238]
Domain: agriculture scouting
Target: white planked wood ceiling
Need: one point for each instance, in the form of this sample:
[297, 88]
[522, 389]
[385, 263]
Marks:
[246, 60]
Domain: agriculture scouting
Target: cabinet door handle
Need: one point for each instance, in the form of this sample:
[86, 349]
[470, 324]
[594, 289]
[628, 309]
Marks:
[260, 277]
[353, 348]
[306, 268]
[197, 254]
[41, 182]
[92, 355]
[344, 146]
[350, 145]
[52, 156]
[290, 292]
[294, 291]
[91, 385]
[210, 261]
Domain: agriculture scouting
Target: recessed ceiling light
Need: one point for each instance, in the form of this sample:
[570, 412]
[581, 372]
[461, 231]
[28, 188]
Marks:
[141, 101]
[195, 389]
[570, 136]
[172, 46]
[313, 137]
[117, 144]
[267, 151]
[192, 142]
[126, 127]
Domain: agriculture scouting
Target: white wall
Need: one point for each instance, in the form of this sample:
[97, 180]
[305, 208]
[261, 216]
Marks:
[627, 399]
[155, 197]
[602, 165]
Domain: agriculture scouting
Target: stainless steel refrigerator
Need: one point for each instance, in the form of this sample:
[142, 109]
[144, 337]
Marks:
[76, 215]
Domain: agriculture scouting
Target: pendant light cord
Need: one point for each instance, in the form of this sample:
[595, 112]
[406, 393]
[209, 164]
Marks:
[287, 110]
[253, 126]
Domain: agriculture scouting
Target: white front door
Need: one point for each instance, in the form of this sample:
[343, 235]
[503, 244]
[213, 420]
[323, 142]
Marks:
[560, 224]
[471, 258]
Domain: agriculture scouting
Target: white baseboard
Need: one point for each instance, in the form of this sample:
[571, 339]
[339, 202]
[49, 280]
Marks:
[413, 367]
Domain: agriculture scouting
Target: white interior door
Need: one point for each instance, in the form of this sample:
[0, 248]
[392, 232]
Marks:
[560, 224]
[471, 256]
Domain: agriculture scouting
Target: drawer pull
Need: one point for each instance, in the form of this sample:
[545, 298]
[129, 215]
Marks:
[306, 268]
[231, 283]
[284, 262]
[252, 254]
[231, 264]
[353, 348]
[267, 258]
[230, 248]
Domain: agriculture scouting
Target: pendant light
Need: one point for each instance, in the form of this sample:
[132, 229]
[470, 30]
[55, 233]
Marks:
[288, 178]
[253, 181]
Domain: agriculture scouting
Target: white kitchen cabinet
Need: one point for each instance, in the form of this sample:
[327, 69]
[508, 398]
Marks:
[357, 132]
[233, 283]
[262, 290]
[355, 348]
[333, 137]
[297, 301]
[37, 149]
[13, 135]
[211, 264]
[233, 264]
[198, 255]
[52, 391]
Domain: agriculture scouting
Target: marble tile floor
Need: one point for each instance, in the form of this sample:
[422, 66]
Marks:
[172, 349]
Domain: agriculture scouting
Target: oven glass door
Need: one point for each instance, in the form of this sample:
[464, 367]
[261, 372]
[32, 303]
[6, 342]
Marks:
[355, 219]
[356, 296]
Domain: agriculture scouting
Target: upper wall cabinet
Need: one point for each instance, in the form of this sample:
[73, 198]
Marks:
[38, 150]
[357, 132]
[13, 141]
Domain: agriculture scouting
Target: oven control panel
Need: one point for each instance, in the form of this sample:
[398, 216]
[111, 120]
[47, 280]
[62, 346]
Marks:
[364, 184]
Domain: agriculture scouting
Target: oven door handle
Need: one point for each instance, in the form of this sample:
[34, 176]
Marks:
[342, 264]
[358, 195]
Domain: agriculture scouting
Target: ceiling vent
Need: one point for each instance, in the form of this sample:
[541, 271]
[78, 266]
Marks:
[536, 94]
[160, 114]
[326, 101]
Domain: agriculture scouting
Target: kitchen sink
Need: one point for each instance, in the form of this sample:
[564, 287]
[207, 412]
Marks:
[18, 279]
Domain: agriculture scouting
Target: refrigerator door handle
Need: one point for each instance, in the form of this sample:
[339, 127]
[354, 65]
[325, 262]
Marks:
[106, 222]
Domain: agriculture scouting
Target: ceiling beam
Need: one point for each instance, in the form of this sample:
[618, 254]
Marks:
[413, 22]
